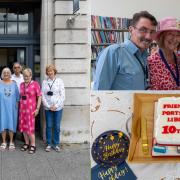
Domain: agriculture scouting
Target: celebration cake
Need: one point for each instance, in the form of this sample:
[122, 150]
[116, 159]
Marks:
[166, 140]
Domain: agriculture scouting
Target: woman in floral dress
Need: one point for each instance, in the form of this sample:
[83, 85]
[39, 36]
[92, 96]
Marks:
[164, 65]
[30, 102]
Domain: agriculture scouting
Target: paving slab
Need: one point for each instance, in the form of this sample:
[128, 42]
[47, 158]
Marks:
[73, 162]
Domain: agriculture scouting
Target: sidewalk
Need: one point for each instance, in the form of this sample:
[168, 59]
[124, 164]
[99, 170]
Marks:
[72, 163]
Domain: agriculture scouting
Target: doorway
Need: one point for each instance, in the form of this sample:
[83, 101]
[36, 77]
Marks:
[10, 55]
[20, 36]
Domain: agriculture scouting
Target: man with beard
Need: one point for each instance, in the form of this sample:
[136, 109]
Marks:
[124, 66]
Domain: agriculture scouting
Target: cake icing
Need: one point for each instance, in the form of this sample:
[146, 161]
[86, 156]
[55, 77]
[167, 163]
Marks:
[167, 121]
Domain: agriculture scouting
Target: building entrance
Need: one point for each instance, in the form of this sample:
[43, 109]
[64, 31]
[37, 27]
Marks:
[10, 55]
[20, 36]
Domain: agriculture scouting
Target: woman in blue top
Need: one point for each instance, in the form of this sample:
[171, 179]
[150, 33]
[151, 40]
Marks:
[9, 97]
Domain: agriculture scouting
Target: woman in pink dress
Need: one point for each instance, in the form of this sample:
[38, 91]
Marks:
[30, 102]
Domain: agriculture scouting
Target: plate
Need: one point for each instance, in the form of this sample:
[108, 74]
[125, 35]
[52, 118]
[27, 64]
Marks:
[110, 148]
[144, 107]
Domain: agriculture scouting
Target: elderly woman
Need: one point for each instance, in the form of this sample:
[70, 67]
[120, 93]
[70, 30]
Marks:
[30, 101]
[53, 100]
[164, 68]
[9, 97]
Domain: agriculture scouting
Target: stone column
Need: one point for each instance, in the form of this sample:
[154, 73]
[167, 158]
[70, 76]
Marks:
[46, 44]
[46, 35]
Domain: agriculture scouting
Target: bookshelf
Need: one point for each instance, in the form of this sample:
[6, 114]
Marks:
[104, 32]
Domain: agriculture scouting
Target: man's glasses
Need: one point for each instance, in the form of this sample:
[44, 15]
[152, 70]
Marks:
[144, 31]
[17, 67]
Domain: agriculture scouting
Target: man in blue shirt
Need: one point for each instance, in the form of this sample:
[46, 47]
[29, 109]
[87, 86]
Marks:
[124, 66]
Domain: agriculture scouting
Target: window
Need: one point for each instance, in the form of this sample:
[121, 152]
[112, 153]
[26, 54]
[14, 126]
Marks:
[14, 21]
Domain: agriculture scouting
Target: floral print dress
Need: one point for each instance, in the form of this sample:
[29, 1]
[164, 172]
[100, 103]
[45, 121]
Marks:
[160, 76]
[28, 106]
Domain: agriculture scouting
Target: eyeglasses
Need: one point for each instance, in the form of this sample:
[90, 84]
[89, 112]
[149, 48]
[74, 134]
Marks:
[144, 31]
[17, 67]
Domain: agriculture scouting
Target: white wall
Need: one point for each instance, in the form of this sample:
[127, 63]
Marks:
[126, 8]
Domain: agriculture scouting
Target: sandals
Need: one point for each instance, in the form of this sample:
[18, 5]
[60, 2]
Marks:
[11, 146]
[3, 146]
[24, 147]
[32, 149]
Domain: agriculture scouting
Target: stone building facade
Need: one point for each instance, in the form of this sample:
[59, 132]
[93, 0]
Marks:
[66, 45]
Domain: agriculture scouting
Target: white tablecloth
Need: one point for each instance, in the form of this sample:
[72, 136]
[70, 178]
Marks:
[110, 111]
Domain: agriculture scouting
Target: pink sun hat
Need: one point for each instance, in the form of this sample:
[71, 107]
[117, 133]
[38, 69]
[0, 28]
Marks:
[168, 24]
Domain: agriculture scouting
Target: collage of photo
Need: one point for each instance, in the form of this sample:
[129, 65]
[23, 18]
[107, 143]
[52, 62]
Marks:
[89, 90]
[135, 97]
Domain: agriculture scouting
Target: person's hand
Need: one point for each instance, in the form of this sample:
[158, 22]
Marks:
[36, 112]
[17, 105]
[53, 108]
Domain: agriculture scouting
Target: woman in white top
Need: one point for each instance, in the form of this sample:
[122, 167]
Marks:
[53, 96]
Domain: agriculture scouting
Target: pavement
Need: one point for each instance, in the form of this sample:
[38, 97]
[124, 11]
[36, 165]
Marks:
[71, 163]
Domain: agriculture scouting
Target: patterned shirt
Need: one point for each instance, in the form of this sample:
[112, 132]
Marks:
[18, 79]
[160, 76]
[56, 86]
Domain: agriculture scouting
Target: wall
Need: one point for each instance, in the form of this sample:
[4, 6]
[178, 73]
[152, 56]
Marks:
[68, 47]
[125, 8]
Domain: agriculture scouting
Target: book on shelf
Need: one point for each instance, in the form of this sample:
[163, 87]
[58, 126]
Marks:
[102, 37]
[104, 32]
[107, 31]
[95, 51]
[102, 22]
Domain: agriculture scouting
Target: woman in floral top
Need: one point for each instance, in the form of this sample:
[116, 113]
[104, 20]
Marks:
[53, 100]
[164, 66]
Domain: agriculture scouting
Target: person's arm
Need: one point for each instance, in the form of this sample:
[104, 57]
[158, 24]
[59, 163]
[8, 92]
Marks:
[38, 105]
[44, 95]
[17, 95]
[106, 69]
[61, 99]
[38, 94]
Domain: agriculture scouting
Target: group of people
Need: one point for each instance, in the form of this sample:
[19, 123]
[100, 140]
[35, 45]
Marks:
[129, 66]
[20, 101]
